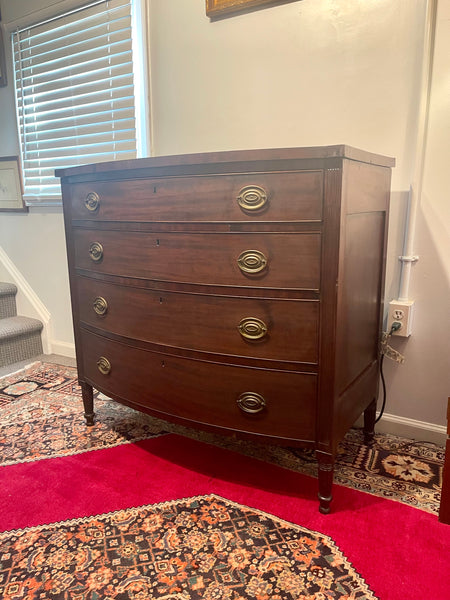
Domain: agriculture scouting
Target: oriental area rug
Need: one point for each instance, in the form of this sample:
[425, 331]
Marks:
[204, 547]
[136, 508]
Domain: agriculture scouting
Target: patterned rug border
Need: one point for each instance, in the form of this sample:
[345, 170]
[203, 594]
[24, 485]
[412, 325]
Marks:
[157, 505]
[37, 365]
[342, 473]
[82, 451]
[26, 367]
[190, 499]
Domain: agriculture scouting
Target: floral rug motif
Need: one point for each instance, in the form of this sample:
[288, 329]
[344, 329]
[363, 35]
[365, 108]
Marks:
[44, 403]
[41, 416]
[198, 548]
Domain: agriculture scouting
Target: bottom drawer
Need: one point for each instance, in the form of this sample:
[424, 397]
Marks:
[274, 404]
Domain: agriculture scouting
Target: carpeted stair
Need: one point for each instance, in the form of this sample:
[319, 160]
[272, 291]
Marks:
[20, 337]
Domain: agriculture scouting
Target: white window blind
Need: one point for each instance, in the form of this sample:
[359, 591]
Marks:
[74, 93]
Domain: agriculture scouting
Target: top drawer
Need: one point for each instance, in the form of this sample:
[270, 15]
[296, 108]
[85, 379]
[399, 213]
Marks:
[257, 197]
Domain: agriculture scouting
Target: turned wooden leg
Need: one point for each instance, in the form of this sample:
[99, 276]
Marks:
[326, 470]
[87, 393]
[369, 422]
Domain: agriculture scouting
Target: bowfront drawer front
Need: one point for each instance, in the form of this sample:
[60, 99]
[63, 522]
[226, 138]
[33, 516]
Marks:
[260, 196]
[259, 328]
[272, 403]
[254, 260]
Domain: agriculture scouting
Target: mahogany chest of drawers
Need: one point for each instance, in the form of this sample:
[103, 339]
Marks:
[239, 292]
[444, 509]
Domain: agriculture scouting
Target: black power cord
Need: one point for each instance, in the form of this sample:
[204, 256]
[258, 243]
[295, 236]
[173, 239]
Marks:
[394, 327]
[383, 405]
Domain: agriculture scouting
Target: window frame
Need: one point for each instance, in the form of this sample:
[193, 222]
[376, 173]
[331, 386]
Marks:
[141, 61]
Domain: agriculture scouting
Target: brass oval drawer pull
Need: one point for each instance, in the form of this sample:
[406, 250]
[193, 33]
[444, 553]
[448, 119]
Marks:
[251, 402]
[100, 306]
[103, 365]
[252, 328]
[252, 197]
[96, 251]
[92, 201]
[252, 261]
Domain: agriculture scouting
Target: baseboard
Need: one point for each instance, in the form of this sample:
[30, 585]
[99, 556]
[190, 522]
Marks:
[63, 348]
[410, 428]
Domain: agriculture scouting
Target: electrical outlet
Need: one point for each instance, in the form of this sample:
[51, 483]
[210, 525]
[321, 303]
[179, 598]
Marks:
[401, 312]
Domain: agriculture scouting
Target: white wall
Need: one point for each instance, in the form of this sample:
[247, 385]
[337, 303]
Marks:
[306, 73]
[324, 72]
[310, 72]
[420, 388]
[35, 242]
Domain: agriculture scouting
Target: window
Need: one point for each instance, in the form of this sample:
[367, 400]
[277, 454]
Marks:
[75, 93]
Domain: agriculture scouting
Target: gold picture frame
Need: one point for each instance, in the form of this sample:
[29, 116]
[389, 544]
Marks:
[11, 192]
[216, 9]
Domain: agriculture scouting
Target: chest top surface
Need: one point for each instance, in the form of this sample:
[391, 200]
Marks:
[227, 161]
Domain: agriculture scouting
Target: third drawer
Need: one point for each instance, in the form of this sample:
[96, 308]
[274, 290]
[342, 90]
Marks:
[262, 328]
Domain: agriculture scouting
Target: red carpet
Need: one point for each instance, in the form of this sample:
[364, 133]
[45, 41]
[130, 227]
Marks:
[402, 553]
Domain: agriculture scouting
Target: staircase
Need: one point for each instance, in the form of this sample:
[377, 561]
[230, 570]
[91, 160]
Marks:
[20, 337]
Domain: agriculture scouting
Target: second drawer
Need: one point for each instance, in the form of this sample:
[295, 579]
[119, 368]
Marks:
[283, 330]
[277, 260]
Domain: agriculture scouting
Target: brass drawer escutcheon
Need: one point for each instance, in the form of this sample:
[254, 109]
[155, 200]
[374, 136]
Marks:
[252, 198]
[252, 328]
[252, 261]
[251, 402]
[96, 251]
[92, 201]
[100, 306]
[103, 365]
